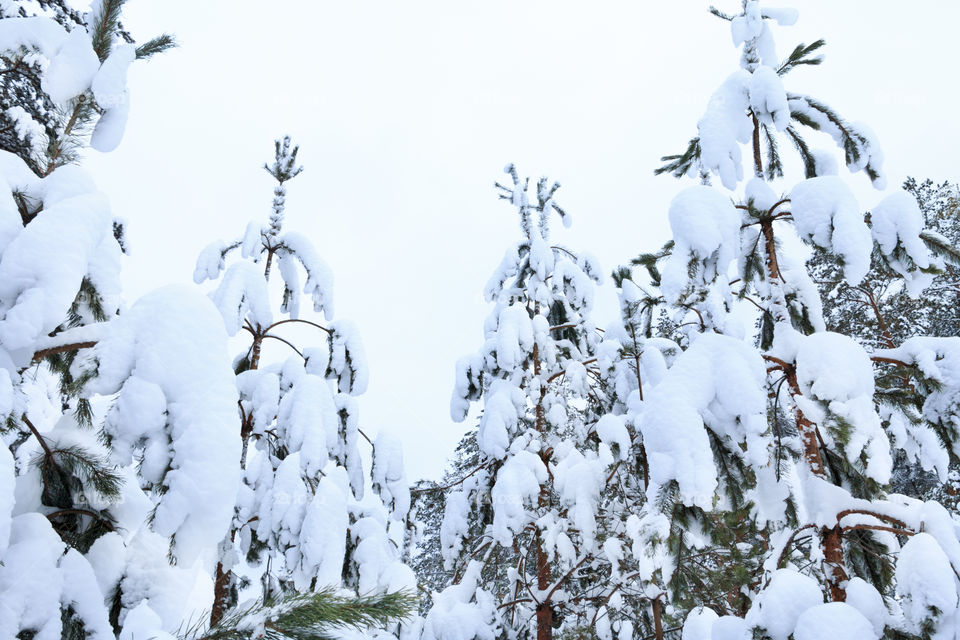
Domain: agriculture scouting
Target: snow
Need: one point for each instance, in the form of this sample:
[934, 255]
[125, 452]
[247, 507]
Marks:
[323, 534]
[925, 580]
[348, 360]
[862, 596]
[319, 283]
[462, 611]
[191, 368]
[833, 620]
[72, 69]
[778, 606]
[242, 295]
[36, 292]
[37, 32]
[388, 474]
[717, 384]
[835, 370]
[7, 476]
[898, 222]
[706, 229]
[768, 99]
[210, 262]
[142, 622]
[724, 127]
[82, 593]
[30, 581]
[518, 483]
[612, 431]
[108, 133]
[109, 86]
[698, 624]
[826, 213]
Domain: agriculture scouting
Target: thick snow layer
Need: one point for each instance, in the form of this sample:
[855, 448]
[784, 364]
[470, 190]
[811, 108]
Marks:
[7, 476]
[35, 291]
[925, 579]
[348, 359]
[462, 611]
[30, 582]
[82, 593]
[699, 624]
[319, 283]
[837, 372]
[242, 295]
[143, 622]
[323, 535]
[862, 596]
[724, 127]
[174, 339]
[307, 423]
[578, 480]
[43, 34]
[499, 419]
[718, 383]
[706, 229]
[72, 69]
[210, 262]
[778, 606]
[388, 474]
[108, 133]
[832, 621]
[612, 431]
[768, 99]
[109, 86]
[518, 484]
[898, 222]
[827, 214]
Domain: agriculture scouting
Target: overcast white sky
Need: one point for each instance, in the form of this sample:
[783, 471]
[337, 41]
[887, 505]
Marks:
[406, 113]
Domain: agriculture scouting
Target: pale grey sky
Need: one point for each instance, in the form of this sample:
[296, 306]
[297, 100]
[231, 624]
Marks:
[406, 113]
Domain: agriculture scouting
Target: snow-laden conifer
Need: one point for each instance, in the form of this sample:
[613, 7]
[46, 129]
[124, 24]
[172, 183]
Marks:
[302, 521]
[816, 460]
[535, 535]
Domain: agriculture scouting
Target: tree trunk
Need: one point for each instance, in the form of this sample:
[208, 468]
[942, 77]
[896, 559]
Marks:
[544, 609]
[831, 540]
[657, 619]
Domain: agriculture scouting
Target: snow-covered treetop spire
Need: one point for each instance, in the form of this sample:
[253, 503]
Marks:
[244, 288]
[519, 197]
[752, 106]
[284, 168]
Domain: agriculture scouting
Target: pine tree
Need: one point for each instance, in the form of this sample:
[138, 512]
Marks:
[301, 517]
[811, 465]
[535, 534]
[881, 313]
[97, 508]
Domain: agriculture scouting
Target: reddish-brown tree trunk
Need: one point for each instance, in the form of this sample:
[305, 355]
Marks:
[831, 540]
[657, 619]
[544, 609]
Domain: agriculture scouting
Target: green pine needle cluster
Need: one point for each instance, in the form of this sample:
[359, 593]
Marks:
[309, 616]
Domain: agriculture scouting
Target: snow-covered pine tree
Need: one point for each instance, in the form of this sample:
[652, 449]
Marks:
[534, 534]
[831, 459]
[302, 521]
[881, 313]
[96, 514]
[44, 117]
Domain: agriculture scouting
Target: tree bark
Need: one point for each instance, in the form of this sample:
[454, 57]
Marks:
[831, 540]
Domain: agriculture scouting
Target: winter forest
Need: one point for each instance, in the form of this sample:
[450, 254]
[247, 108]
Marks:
[758, 439]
